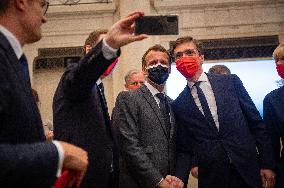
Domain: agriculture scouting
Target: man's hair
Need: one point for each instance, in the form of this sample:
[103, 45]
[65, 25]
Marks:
[219, 69]
[129, 74]
[93, 37]
[156, 48]
[185, 39]
[279, 51]
[4, 4]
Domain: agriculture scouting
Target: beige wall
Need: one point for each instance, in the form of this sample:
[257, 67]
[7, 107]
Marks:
[68, 26]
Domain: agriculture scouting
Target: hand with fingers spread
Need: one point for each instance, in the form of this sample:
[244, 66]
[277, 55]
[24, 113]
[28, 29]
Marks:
[75, 160]
[122, 32]
[267, 178]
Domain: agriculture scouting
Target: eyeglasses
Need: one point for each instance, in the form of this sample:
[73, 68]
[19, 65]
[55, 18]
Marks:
[188, 52]
[278, 59]
[45, 5]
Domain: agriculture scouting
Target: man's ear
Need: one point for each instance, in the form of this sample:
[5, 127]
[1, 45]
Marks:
[201, 59]
[21, 5]
[145, 72]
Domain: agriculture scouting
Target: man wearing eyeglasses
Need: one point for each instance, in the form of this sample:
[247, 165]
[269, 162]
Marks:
[26, 160]
[219, 125]
[134, 79]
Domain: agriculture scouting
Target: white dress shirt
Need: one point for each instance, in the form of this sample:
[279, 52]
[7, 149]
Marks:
[209, 95]
[154, 91]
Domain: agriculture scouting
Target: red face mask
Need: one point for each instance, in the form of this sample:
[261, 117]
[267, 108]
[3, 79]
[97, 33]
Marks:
[187, 66]
[280, 70]
[110, 68]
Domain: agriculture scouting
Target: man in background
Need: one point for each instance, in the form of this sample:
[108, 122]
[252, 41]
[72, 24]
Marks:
[219, 69]
[134, 79]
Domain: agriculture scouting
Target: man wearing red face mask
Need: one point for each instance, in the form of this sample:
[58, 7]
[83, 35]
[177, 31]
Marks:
[219, 127]
[80, 109]
[273, 110]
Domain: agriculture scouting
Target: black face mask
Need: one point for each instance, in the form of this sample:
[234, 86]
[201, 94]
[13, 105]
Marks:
[158, 75]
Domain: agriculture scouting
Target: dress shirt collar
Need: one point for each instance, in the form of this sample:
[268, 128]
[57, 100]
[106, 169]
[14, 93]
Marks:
[152, 89]
[99, 81]
[14, 42]
[203, 78]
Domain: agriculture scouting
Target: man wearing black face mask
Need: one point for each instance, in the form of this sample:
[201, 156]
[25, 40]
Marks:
[146, 128]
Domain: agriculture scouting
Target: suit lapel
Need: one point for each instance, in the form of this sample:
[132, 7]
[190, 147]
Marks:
[186, 103]
[219, 90]
[14, 62]
[25, 86]
[172, 120]
[190, 104]
[152, 102]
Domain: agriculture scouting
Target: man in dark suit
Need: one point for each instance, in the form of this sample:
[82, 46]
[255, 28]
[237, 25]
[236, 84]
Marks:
[146, 127]
[80, 110]
[20, 122]
[273, 110]
[219, 124]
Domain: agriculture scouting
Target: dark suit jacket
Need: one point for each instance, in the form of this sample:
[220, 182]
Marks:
[273, 110]
[27, 165]
[147, 151]
[20, 120]
[241, 130]
[79, 117]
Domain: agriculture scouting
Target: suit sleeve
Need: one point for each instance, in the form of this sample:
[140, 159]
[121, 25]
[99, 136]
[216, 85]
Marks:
[256, 125]
[79, 78]
[185, 157]
[5, 85]
[271, 123]
[138, 163]
[28, 165]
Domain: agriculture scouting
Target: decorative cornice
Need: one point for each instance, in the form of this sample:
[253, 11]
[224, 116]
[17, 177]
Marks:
[169, 5]
[81, 9]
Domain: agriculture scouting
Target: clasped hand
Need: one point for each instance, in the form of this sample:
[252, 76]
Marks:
[171, 182]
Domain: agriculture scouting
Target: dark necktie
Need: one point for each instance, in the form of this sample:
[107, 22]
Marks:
[102, 94]
[204, 104]
[25, 67]
[164, 107]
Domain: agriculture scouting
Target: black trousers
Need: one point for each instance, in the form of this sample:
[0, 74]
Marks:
[221, 177]
[235, 180]
[113, 179]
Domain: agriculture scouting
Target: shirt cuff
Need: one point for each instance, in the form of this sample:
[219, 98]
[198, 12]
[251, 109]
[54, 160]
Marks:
[108, 52]
[60, 157]
[159, 182]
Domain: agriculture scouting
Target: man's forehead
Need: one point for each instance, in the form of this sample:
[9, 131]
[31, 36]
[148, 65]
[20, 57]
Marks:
[188, 45]
[154, 53]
